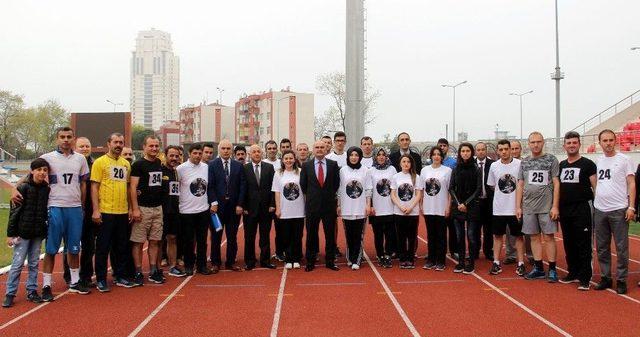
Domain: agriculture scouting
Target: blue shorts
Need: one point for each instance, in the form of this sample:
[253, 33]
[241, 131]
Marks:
[65, 223]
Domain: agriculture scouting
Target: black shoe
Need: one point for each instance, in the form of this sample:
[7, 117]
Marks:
[188, 271]
[429, 265]
[87, 283]
[569, 279]
[250, 267]
[156, 278]
[47, 296]
[8, 301]
[123, 282]
[333, 266]
[79, 288]
[495, 269]
[521, 270]
[33, 296]
[138, 280]
[584, 286]
[279, 257]
[268, 265]
[204, 271]
[469, 268]
[309, 267]
[604, 283]
[459, 268]
[621, 287]
[102, 287]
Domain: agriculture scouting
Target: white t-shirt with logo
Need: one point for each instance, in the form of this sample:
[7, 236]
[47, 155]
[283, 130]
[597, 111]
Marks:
[367, 162]
[276, 163]
[341, 159]
[504, 179]
[406, 189]
[193, 187]
[381, 190]
[436, 189]
[611, 182]
[287, 183]
[65, 176]
[355, 186]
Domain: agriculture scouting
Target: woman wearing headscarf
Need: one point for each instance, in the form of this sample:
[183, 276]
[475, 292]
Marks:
[384, 230]
[353, 203]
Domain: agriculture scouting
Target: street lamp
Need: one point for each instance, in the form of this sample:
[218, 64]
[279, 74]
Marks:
[454, 106]
[114, 104]
[520, 96]
[557, 75]
[278, 114]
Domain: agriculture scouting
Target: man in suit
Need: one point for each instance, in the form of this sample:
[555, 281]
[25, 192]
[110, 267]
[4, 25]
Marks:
[320, 180]
[259, 207]
[226, 193]
[486, 203]
[403, 142]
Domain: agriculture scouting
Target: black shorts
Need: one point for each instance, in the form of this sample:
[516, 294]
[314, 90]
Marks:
[500, 222]
[170, 224]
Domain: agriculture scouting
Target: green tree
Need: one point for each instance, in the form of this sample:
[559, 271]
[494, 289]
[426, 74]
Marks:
[47, 117]
[138, 132]
[11, 106]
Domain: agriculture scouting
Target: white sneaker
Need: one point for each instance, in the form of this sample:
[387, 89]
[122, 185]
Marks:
[355, 266]
[288, 266]
[296, 265]
[349, 263]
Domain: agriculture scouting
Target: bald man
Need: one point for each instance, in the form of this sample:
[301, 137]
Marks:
[226, 192]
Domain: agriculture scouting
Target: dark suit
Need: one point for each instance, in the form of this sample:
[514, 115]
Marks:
[228, 192]
[320, 204]
[394, 158]
[257, 201]
[485, 214]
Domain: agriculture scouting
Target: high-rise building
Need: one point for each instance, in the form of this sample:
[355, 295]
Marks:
[155, 80]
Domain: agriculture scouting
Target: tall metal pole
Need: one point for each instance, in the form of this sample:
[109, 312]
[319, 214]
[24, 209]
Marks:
[454, 107]
[354, 72]
[520, 96]
[557, 76]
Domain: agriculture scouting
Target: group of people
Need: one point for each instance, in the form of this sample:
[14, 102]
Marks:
[180, 203]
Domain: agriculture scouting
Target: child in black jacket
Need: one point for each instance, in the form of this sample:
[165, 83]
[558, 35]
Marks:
[26, 229]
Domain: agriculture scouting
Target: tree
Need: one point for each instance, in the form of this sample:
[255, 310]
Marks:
[11, 107]
[334, 85]
[138, 132]
[48, 116]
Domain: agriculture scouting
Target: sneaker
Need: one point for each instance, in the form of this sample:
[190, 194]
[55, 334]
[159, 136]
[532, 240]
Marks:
[521, 270]
[175, 272]
[535, 274]
[47, 296]
[495, 269]
[188, 271]
[553, 276]
[296, 265]
[123, 282]
[584, 286]
[8, 301]
[569, 279]
[288, 265]
[156, 278]
[621, 287]
[605, 283]
[509, 260]
[387, 262]
[440, 267]
[138, 280]
[102, 287]
[429, 265]
[79, 288]
[33, 296]
[278, 257]
[403, 265]
[469, 268]
[410, 265]
[161, 274]
[459, 268]
[87, 283]
[355, 266]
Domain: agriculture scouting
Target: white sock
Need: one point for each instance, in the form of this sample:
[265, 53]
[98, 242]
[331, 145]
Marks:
[520, 263]
[46, 280]
[75, 275]
[496, 262]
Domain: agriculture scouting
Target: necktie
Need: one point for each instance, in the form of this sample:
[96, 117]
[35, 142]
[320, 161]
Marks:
[484, 193]
[226, 169]
[320, 174]
[257, 171]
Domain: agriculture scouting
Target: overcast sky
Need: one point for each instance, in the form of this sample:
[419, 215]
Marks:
[79, 53]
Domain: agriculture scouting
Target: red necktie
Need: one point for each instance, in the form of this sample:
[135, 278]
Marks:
[320, 174]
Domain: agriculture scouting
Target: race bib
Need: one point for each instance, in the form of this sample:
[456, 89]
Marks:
[174, 188]
[538, 177]
[570, 175]
[118, 173]
[155, 178]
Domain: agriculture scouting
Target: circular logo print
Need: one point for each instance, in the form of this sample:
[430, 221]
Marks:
[405, 192]
[432, 187]
[383, 187]
[354, 189]
[198, 187]
[507, 183]
[291, 191]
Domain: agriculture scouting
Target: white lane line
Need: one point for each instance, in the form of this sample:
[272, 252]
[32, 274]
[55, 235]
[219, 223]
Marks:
[229, 285]
[31, 311]
[396, 304]
[331, 284]
[278, 309]
[612, 253]
[514, 301]
[429, 282]
[634, 237]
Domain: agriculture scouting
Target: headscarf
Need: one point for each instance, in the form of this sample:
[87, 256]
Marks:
[387, 162]
[359, 152]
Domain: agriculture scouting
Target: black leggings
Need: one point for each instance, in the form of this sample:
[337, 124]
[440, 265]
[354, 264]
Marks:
[437, 238]
[407, 228]
[384, 233]
[354, 232]
[291, 236]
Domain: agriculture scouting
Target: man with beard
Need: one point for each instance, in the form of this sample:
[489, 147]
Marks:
[170, 208]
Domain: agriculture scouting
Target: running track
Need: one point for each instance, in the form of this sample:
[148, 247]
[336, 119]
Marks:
[370, 302]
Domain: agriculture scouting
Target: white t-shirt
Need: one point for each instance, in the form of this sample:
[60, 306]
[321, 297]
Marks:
[276, 163]
[64, 178]
[436, 189]
[381, 187]
[340, 158]
[287, 184]
[367, 162]
[193, 187]
[355, 187]
[611, 182]
[402, 184]
[504, 179]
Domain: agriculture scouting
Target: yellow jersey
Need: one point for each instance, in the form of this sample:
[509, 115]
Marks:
[113, 176]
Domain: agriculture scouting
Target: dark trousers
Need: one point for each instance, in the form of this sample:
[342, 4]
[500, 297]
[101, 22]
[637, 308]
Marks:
[354, 233]
[451, 234]
[407, 229]
[291, 236]
[576, 232]
[260, 222]
[437, 238]
[194, 229]
[485, 214]
[281, 246]
[466, 227]
[230, 223]
[112, 237]
[313, 241]
[384, 232]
